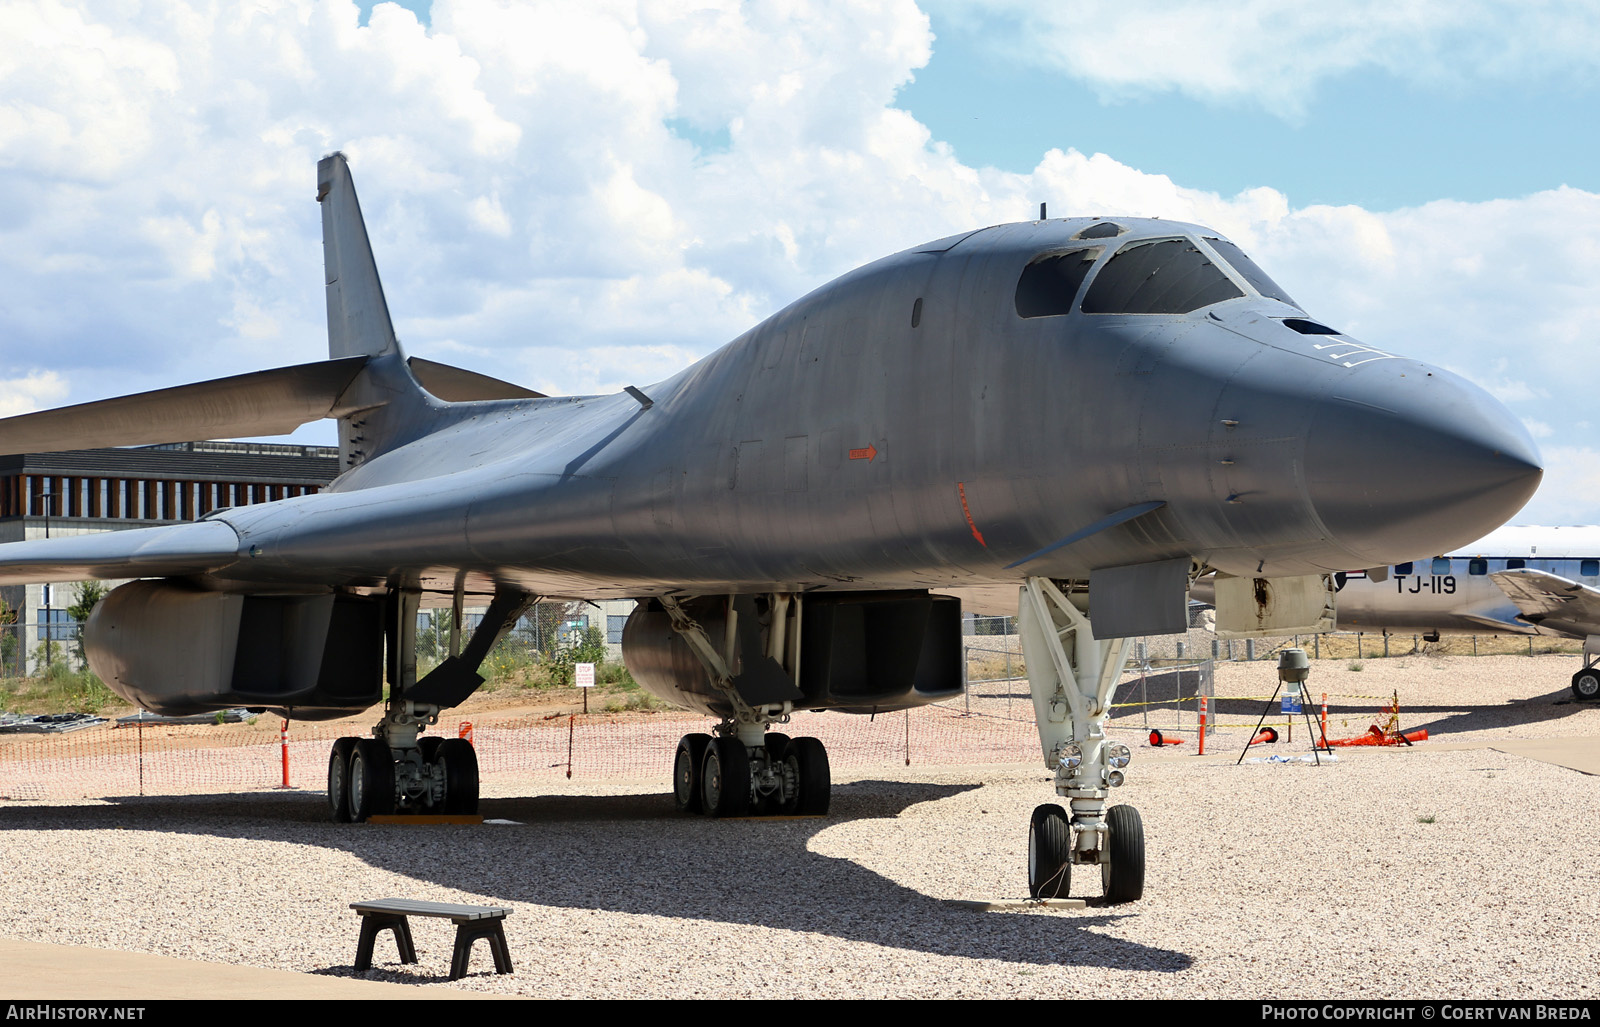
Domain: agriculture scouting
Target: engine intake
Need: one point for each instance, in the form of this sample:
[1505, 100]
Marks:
[176, 649]
[859, 652]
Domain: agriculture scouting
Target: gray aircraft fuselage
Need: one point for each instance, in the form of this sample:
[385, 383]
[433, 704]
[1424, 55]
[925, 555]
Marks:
[904, 427]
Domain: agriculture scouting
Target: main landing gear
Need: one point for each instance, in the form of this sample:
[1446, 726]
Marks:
[1072, 676]
[1586, 683]
[367, 778]
[743, 769]
[399, 769]
[721, 776]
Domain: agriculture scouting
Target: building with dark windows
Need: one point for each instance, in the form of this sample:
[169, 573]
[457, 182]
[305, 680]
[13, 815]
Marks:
[44, 495]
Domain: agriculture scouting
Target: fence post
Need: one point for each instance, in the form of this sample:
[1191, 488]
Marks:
[283, 741]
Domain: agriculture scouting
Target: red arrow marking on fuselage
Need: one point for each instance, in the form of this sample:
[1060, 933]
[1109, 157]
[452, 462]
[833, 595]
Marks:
[864, 454]
[961, 489]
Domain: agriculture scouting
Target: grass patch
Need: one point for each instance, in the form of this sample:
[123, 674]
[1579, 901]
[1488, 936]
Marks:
[59, 690]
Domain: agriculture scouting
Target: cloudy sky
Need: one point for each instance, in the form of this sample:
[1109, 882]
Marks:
[583, 196]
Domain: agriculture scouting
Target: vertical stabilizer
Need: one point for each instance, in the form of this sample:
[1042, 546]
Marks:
[358, 316]
[385, 398]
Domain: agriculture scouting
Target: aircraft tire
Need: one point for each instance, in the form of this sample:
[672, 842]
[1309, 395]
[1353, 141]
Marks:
[816, 779]
[460, 761]
[1586, 684]
[686, 765]
[777, 744]
[339, 779]
[725, 779]
[371, 780]
[429, 744]
[1123, 877]
[1049, 853]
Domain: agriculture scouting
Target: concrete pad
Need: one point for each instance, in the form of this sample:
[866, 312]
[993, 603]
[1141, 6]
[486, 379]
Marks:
[39, 971]
[1577, 753]
[1580, 754]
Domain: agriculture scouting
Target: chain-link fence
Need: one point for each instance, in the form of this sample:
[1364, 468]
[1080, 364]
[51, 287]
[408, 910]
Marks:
[993, 722]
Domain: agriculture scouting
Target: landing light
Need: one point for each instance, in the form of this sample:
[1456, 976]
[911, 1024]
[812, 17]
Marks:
[1118, 755]
[1070, 755]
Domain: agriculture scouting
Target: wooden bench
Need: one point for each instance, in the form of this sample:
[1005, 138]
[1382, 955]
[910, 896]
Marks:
[472, 923]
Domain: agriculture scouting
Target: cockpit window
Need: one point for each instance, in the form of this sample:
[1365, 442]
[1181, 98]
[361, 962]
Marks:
[1050, 282]
[1166, 276]
[1249, 271]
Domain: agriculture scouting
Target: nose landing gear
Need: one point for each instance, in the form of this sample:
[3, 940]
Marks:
[1072, 675]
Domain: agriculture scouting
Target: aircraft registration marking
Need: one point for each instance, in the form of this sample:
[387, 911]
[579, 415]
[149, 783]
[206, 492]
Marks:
[1436, 584]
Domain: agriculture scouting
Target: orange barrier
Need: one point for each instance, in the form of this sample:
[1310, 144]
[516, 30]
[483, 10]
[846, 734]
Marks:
[1376, 736]
[197, 759]
[1158, 740]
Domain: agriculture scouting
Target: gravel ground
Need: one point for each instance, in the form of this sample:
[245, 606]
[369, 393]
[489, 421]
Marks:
[1423, 872]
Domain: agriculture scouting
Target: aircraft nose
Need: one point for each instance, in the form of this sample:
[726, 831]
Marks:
[1404, 460]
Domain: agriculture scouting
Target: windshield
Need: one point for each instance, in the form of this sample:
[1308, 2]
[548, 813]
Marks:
[1249, 271]
[1050, 282]
[1160, 276]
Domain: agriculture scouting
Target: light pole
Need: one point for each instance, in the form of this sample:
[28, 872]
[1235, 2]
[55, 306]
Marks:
[49, 497]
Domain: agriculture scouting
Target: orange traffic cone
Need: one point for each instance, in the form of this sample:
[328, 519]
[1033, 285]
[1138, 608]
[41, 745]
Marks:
[1266, 734]
[1158, 741]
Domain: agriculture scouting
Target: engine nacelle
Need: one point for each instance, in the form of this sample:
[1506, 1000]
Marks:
[858, 652]
[176, 649]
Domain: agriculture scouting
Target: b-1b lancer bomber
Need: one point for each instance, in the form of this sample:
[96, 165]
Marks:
[1070, 418]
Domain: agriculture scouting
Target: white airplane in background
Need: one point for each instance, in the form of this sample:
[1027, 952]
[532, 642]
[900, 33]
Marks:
[1517, 580]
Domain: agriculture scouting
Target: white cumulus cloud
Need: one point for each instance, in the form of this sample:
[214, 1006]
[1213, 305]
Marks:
[33, 391]
[1275, 52]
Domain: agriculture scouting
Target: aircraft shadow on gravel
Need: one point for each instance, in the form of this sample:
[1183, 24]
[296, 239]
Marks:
[635, 854]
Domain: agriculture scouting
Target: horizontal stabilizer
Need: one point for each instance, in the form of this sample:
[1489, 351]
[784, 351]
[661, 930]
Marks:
[458, 385]
[170, 551]
[274, 402]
